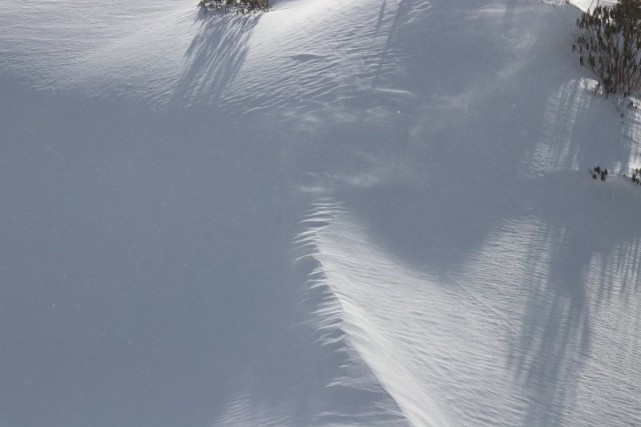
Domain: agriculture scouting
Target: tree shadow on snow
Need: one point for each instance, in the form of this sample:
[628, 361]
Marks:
[215, 55]
[569, 275]
[497, 142]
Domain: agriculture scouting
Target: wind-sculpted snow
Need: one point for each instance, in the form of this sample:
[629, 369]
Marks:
[333, 213]
[504, 339]
[349, 56]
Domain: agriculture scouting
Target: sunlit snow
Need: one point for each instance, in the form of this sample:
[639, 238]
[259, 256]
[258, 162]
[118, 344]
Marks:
[372, 213]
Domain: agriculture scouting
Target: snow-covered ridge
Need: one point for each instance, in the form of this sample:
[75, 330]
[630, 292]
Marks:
[484, 325]
[361, 213]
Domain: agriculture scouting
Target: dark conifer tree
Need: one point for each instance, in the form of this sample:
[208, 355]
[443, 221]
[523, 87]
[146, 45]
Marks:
[609, 42]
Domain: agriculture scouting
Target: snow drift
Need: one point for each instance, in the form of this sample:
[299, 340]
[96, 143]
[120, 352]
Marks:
[363, 213]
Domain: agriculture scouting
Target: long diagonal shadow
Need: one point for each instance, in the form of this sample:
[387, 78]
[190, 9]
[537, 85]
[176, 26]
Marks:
[519, 158]
[215, 55]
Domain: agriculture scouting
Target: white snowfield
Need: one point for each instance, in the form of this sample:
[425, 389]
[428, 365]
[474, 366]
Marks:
[363, 213]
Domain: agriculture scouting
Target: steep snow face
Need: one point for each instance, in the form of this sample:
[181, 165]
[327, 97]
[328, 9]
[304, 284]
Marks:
[481, 274]
[362, 213]
[517, 334]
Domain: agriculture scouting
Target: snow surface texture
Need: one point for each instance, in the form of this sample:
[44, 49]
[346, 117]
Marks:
[334, 213]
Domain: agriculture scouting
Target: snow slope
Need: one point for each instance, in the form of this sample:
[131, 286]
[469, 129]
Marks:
[362, 213]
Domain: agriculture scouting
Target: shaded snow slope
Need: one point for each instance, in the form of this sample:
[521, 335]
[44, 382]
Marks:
[363, 213]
